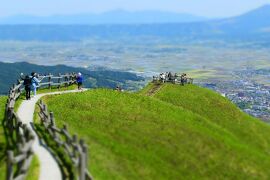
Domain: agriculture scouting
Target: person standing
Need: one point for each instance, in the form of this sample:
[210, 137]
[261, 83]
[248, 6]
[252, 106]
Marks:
[27, 86]
[170, 76]
[35, 83]
[183, 79]
[79, 81]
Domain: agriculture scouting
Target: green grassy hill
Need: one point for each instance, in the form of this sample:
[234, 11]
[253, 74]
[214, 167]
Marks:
[3, 101]
[165, 132]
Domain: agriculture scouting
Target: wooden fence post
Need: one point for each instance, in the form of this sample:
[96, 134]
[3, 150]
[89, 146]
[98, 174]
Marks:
[75, 141]
[10, 165]
[88, 175]
[6, 112]
[10, 121]
[17, 128]
[66, 80]
[73, 77]
[82, 161]
[52, 122]
[50, 81]
[70, 79]
[23, 139]
[21, 162]
[59, 81]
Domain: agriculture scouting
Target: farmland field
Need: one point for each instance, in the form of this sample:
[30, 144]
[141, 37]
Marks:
[154, 56]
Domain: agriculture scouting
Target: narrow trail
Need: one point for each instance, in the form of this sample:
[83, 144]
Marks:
[49, 169]
[154, 90]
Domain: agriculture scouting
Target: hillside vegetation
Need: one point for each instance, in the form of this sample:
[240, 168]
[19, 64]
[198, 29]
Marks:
[177, 132]
[3, 101]
[93, 78]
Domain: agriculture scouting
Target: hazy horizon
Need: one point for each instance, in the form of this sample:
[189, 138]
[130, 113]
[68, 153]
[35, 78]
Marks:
[206, 8]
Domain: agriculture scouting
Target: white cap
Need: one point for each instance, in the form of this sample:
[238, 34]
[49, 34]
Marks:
[79, 74]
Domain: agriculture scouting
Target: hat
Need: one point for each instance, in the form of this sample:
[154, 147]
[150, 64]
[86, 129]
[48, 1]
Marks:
[79, 74]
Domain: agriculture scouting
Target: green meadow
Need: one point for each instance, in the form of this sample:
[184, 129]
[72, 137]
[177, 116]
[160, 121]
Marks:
[180, 132]
[3, 101]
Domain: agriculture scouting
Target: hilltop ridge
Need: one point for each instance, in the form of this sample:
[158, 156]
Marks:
[177, 132]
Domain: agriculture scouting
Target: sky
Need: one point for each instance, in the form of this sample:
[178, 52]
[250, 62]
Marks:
[206, 8]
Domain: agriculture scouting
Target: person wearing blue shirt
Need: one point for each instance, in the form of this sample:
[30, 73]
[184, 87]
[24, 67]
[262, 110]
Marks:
[79, 81]
[35, 83]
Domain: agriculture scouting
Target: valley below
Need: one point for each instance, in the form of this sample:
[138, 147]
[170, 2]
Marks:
[238, 70]
[147, 56]
[135, 93]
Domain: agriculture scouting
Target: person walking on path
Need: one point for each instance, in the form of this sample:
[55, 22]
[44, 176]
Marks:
[27, 86]
[79, 81]
[35, 82]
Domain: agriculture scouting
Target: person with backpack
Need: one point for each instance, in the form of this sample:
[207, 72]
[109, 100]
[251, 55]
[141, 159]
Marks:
[79, 80]
[27, 86]
[35, 82]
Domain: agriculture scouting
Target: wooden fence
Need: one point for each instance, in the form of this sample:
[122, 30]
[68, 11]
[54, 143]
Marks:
[57, 81]
[19, 136]
[74, 148]
[175, 80]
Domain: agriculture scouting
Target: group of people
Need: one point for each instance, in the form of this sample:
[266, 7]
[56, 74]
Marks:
[170, 77]
[31, 83]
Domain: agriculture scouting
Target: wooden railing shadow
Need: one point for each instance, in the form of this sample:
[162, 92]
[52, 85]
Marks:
[62, 141]
[65, 165]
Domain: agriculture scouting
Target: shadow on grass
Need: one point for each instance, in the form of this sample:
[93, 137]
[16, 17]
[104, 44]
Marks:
[57, 152]
[3, 146]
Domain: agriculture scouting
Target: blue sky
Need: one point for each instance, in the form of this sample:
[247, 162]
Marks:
[207, 8]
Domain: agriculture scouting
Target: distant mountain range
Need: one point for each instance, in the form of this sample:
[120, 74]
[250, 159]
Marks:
[256, 21]
[252, 25]
[111, 17]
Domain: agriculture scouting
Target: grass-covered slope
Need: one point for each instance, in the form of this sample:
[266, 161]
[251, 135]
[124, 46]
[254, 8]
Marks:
[219, 110]
[177, 133]
[3, 100]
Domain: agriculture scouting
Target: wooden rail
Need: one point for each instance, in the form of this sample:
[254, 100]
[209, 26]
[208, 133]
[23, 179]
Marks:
[75, 149]
[61, 80]
[175, 80]
[19, 136]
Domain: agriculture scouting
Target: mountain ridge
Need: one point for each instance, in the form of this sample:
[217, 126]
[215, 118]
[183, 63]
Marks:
[251, 26]
[109, 17]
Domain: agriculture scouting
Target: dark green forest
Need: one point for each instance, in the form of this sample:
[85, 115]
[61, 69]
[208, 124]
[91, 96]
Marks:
[10, 72]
